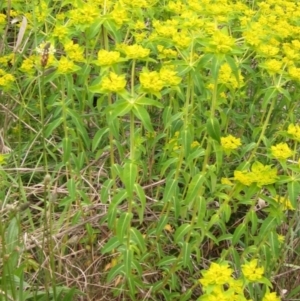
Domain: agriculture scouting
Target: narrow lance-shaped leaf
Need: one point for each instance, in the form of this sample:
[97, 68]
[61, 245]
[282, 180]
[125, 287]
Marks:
[129, 177]
[213, 128]
[141, 113]
[193, 188]
[123, 226]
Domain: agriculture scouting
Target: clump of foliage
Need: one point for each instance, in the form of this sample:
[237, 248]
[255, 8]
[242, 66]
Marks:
[149, 149]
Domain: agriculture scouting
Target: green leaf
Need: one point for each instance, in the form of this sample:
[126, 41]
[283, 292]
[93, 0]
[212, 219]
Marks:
[52, 126]
[170, 189]
[123, 225]
[269, 224]
[187, 139]
[115, 271]
[71, 188]
[112, 244]
[270, 93]
[274, 243]
[97, 138]
[181, 231]
[163, 220]
[67, 146]
[137, 237]
[186, 254]
[226, 210]
[144, 101]
[127, 259]
[80, 127]
[141, 113]
[202, 208]
[213, 128]
[193, 188]
[166, 261]
[239, 231]
[294, 192]
[105, 190]
[142, 198]
[120, 108]
[254, 220]
[129, 177]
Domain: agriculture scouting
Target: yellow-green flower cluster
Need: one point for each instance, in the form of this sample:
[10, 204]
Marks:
[61, 32]
[28, 65]
[113, 83]
[270, 297]
[85, 15]
[217, 274]
[218, 283]
[294, 131]
[66, 66]
[230, 143]
[252, 272]
[6, 80]
[2, 159]
[119, 15]
[74, 52]
[281, 151]
[284, 202]
[151, 81]
[260, 174]
[227, 78]
[135, 51]
[107, 58]
[166, 52]
[220, 43]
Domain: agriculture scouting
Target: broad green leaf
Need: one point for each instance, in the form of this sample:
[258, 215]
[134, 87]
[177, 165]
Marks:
[167, 165]
[119, 109]
[129, 177]
[233, 66]
[187, 139]
[186, 254]
[127, 259]
[213, 128]
[119, 197]
[141, 113]
[269, 94]
[144, 101]
[269, 224]
[274, 243]
[113, 125]
[140, 195]
[202, 209]
[123, 226]
[132, 286]
[166, 261]
[181, 231]
[137, 237]
[105, 191]
[238, 233]
[163, 220]
[170, 189]
[71, 185]
[67, 147]
[111, 216]
[112, 244]
[80, 127]
[254, 221]
[115, 271]
[111, 27]
[294, 192]
[98, 137]
[193, 188]
[52, 126]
